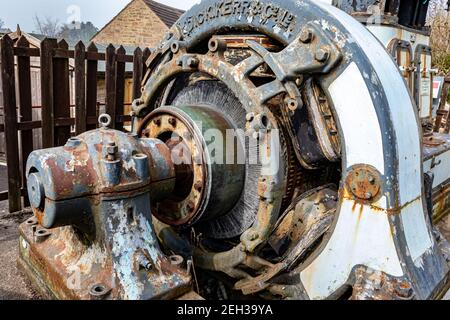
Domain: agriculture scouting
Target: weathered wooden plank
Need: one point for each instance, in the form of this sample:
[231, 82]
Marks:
[120, 88]
[95, 55]
[138, 71]
[63, 53]
[10, 119]
[26, 111]
[26, 52]
[80, 89]
[47, 84]
[145, 70]
[91, 87]
[61, 91]
[444, 99]
[123, 57]
[110, 78]
[4, 195]
[145, 55]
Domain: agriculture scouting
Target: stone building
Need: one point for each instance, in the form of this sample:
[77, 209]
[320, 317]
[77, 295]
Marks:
[142, 23]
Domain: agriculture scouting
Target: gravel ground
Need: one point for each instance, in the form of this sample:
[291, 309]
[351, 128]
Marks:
[13, 286]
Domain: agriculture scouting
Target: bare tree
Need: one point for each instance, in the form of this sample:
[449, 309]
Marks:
[2, 24]
[47, 26]
[440, 40]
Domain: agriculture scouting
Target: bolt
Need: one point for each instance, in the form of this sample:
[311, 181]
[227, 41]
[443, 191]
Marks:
[404, 290]
[372, 180]
[252, 236]
[250, 116]
[292, 104]
[175, 47]
[190, 207]
[368, 195]
[306, 36]
[322, 55]
[144, 262]
[111, 151]
[157, 122]
[138, 102]
[192, 62]
[173, 122]
[198, 186]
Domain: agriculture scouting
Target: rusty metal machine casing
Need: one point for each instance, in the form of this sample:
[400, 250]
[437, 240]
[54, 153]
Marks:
[341, 207]
[92, 227]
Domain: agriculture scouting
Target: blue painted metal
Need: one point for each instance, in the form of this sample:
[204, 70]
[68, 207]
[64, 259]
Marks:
[98, 187]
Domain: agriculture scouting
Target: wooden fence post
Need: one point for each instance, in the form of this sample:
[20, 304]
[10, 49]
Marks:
[26, 111]
[11, 127]
[91, 86]
[444, 101]
[120, 85]
[110, 78]
[145, 55]
[138, 71]
[47, 111]
[80, 89]
[61, 91]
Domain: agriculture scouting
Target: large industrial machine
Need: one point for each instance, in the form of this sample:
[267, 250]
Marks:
[281, 149]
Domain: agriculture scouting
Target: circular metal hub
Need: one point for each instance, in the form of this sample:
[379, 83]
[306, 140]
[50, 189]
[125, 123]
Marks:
[210, 178]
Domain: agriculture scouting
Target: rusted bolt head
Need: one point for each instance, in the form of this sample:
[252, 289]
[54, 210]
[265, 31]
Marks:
[322, 55]
[192, 62]
[173, 122]
[112, 148]
[175, 47]
[198, 186]
[190, 207]
[213, 45]
[306, 36]
[404, 290]
[252, 236]
[292, 104]
[368, 195]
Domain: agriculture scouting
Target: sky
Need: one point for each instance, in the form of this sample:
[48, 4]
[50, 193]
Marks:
[99, 12]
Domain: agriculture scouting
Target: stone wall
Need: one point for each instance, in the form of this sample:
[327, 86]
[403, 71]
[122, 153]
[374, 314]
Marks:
[137, 25]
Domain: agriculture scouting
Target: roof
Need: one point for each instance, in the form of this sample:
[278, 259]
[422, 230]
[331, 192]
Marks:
[168, 15]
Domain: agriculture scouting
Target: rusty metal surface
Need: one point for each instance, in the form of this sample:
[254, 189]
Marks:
[280, 83]
[92, 236]
[375, 285]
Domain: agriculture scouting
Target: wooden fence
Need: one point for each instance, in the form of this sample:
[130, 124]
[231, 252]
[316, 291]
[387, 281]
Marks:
[56, 122]
[442, 123]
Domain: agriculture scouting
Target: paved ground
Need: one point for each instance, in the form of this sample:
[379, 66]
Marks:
[12, 284]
